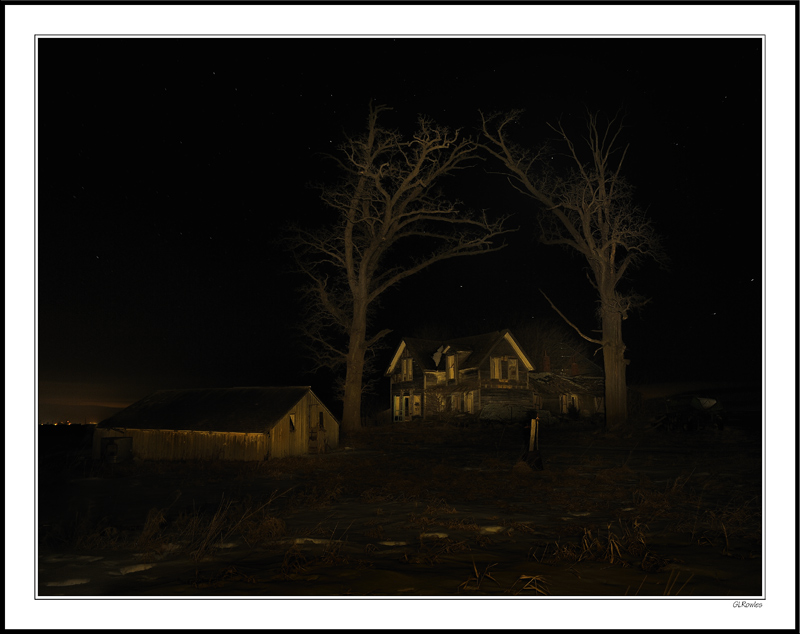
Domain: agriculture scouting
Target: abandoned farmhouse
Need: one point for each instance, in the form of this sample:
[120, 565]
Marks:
[251, 423]
[490, 376]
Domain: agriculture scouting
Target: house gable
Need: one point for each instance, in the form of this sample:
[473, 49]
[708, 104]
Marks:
[518, 350]
[398, 353]
[422, 351]
[468, 353]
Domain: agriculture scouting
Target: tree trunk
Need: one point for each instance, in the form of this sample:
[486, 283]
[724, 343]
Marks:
[614, 361]
[351, 414]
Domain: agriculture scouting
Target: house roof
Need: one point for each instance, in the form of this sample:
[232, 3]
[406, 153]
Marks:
[479, 347]
[562, 356]
[421, 350]
[239, 409]
[553, 384]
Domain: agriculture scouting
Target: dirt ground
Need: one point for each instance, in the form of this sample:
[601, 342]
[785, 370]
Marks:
[416, 510]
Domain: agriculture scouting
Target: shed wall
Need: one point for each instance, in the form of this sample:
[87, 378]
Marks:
[157, 444]
[285, 442]
[320, 440]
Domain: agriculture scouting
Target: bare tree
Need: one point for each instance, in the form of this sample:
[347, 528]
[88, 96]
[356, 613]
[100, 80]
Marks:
[591, 211]
[389, 223]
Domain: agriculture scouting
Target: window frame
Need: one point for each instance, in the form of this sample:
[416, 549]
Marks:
[502, 364]
[407, 369]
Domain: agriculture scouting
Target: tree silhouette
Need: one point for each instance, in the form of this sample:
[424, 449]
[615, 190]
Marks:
[590, 210]
[390, 221]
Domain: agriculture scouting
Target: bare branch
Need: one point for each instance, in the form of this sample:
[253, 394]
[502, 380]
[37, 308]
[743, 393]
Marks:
[386, 199]
[568, 321]
[590, 210]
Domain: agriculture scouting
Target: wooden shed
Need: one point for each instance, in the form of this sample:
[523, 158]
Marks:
[244, 423]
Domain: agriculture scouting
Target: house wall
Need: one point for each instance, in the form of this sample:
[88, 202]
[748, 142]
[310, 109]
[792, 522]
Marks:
[158, 444]
[551, 404]
[558, 403]
[503, 348]
[506, 404]
[401, 388]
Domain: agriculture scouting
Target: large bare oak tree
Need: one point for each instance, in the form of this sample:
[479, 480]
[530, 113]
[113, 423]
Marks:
[390, 221]
[590, 210]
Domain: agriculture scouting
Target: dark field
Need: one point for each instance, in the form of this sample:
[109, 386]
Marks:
[416, 510]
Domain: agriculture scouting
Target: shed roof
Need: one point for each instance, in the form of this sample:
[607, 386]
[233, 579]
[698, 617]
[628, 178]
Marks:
[238, 409]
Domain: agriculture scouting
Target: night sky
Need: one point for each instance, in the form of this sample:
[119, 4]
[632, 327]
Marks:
[169, 167]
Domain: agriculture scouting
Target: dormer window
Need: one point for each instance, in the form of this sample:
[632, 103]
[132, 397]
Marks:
[504, 368]
[451, 366]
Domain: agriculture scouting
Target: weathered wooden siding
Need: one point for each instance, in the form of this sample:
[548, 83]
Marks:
[326, 436]
[287, 442]
[155, 444]
[503, 348]
[506, 404]
[256, 436]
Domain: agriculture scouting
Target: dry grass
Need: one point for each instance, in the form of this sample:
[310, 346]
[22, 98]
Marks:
[195, 532]
[431, 550]
[227, 575]
[523, 527]
[534, 583]
[614, 475]
[672, 582]
[623, 544]
[477, 578]
[374, 495]
[438, 507]
[582, 480]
